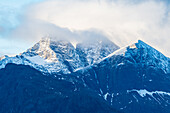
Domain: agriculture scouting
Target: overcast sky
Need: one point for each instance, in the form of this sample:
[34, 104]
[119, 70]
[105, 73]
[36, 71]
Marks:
[23, 22]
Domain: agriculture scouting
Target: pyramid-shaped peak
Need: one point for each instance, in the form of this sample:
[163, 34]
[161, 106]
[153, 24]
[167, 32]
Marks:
[139, 44]
[142, 44]
[51, 44]
[145, 48]
[142, 52]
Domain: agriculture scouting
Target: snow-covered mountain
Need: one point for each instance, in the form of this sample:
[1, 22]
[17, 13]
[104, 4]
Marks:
[132, 79]
[91, 51]
[143, 54]
[59, 56]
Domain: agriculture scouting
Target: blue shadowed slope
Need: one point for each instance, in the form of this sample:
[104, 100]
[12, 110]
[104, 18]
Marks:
[24, 89]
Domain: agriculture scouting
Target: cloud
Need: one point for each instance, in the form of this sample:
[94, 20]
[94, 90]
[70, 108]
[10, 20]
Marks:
[31, 31]
[35, 29]
[123, 22]
[10, 14]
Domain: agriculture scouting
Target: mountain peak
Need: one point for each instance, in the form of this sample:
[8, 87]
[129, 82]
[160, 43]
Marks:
[95, 50]
[145, 54]
[139, 44]
[144, 48]
[142, 44]
[142, 53]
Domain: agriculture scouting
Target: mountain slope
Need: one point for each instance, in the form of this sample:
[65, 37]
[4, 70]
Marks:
[132, 79]
[24, 89]
[143, 54]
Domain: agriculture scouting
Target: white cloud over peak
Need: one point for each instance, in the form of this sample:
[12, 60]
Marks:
[123, 22]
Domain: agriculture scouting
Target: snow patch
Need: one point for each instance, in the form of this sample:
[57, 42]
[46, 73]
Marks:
[37, 60]
[144, 92]
[105, 96]
[120, 64]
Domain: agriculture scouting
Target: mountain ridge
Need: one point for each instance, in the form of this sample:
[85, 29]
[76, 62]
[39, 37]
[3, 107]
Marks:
[59, 56]
[131, 79]
[49, 53]
[141, 49]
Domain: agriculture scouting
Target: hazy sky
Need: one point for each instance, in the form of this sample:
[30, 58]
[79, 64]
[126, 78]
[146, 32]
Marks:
[23, 22]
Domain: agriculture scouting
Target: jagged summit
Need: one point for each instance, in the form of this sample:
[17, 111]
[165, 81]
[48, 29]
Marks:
[92, 51]
[144, 54]
[49, 48]
[58, 53]
[48, 56]
[51, 55]
[141, 44]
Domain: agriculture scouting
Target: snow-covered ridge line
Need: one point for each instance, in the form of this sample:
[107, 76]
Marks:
[144, 92]
[52, 55]
[149, 55]
[123, 50]
[120, 51]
